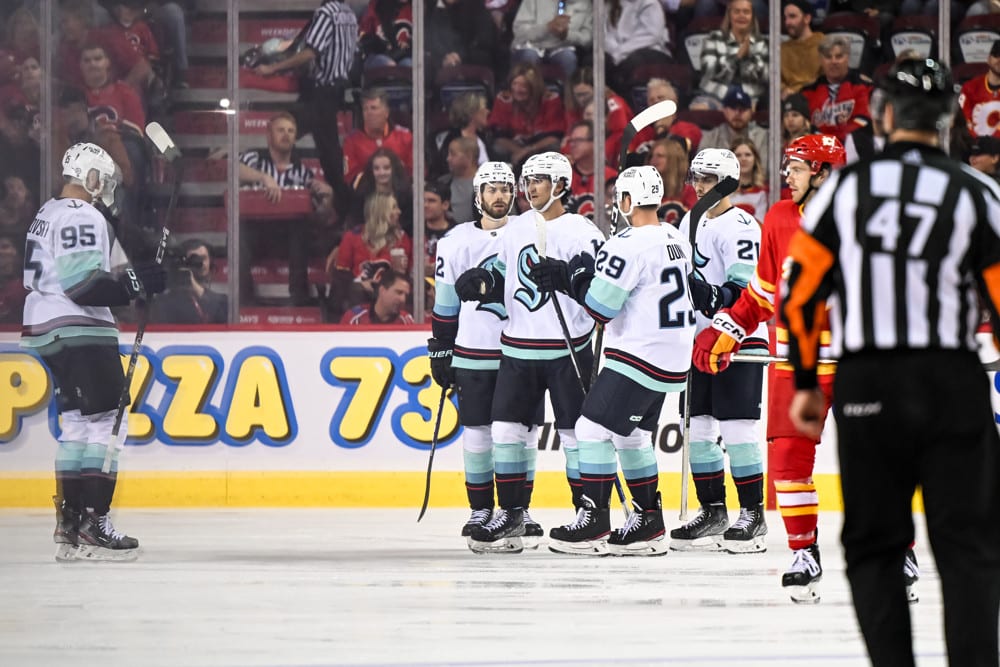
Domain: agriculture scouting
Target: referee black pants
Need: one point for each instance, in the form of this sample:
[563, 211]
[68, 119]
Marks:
[909, 419]
[320, 105]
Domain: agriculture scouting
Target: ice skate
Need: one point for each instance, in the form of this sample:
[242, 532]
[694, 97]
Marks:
[642, 535]
[911, 574]
[533, 532]
[66, 535]
[99, 540]
[802, 578]
[502, 534]
[478, 518]
[702, 533]
[747, 534]
[587, 535]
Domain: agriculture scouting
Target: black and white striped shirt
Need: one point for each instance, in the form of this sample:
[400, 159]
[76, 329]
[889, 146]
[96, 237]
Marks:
[899, 245]
[296, 176]
[333, 34]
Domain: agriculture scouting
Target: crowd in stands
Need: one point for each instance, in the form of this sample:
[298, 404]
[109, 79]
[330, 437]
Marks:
[507, 79]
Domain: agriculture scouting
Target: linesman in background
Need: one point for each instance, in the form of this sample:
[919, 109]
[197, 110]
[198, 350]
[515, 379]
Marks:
[900, 244]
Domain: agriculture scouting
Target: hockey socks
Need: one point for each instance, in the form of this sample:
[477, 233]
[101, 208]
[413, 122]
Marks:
[573, 472]
[707, 470]
[799, 505]
[511, 473]
[641, 475]
[98, 487]
[598, 469]
[747, 467]
[69, 484]
[479, 478]
[530, 458]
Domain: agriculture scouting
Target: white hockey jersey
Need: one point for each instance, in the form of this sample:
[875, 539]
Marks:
[640, 285]
[533, 330]
[467, 246]
[726, 250]
[68, 240]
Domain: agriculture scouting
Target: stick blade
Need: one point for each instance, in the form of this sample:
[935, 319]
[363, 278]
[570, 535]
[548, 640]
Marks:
[643, 119]
[162, 141]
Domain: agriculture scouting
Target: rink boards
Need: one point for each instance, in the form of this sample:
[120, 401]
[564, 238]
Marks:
[258, 418]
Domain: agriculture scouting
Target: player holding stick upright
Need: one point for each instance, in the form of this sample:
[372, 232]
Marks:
[638, 288]
[465, 349]
[534, 354]
[68, 322]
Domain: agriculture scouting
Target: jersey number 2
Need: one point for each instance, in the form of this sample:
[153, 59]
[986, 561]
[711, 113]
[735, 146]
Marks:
[674, 279]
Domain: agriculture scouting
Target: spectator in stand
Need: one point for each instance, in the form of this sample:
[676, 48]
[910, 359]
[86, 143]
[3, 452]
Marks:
[736, 54]
[618, 115]
[17, 208]
[376, 132]
[551, 31]
[189, 298]
[752, 193]
[671, 156]
[800, 63]
[386, 33]
[132, 49]
[586, 168]
[635, 34]
[716, 8]
[12, 292]
[737, 108]
[461, 32]
[463, 154]
[794, 119]
[468, 116]
[838, 99]
[386, 174]
[74, 31]
[658, 90]
[527, 118]
[392, 292]
[868, 141]
[26, 89]
[329, 46]
[366, 249]
[883, 10]
[437, 221]
[21, 36]
[984, 156]
[980, 97]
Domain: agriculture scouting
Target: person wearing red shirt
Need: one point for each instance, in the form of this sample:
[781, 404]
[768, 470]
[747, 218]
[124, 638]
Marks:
[527, 118]
[980, 98]
[581, 87]
[376, 132]
[109, 102]
[585, 169]
[387, 308]
[838, 99]
[670, 157]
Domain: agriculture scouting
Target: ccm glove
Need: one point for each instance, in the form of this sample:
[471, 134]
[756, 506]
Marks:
[550, 275]
[480, 285]
[581, 273]
[144, 280]
[714, 347]
[440, 353]
[705, 297]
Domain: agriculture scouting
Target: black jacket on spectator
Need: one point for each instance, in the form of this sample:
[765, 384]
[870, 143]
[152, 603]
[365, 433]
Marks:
[465, 28]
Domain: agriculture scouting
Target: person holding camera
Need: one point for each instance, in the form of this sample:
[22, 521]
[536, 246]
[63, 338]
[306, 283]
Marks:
[189, 298]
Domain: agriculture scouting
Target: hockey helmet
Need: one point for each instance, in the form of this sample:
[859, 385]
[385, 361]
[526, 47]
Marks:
[95, 170]
[921, 92]
[554, 165]
[643, 184]
[493, 172]
[817, 151]
[721, 162]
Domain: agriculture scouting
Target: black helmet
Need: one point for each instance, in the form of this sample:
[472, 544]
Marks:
[921, 92]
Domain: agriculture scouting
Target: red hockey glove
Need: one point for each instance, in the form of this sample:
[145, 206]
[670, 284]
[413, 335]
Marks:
[714, 347]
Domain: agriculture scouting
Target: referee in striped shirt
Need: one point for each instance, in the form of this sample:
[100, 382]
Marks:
[329, 45]
[904, 246]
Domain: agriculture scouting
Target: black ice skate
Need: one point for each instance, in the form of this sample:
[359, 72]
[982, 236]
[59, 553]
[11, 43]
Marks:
[642, 535]
[702, 533]
[747, 534]
[911, 574]
[802, 578]
[501, 535]
[587, 535]
[478, 518]
[100, 541]
[533, 532]
[66, 535]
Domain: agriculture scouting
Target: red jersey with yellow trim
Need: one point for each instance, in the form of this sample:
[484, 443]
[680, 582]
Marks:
[760, 300]
[981, 106]
[839, 109]
[358, 147]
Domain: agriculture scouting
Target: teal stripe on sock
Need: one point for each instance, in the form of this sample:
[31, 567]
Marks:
[93, 457]
[478, 467]
[597, 457]
[706, 452]
[572, 463]
[638, 463]
[531, 458]
[745, 459]
[509, 458]
[69, 456]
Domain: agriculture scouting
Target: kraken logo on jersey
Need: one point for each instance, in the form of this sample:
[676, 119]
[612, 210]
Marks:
[700, 262]
[494, 308]
[528, 293]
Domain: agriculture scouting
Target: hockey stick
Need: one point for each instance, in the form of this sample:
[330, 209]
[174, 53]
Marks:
[430, 460]
[541, 245]
[641, 121]
[722, 189]
[165, 146]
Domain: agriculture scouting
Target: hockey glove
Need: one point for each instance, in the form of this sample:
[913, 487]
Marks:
[480, 285]
[144, 280]
[709, 298]
[440, 352]
[550, 275]
[581, 273]
[714, 347]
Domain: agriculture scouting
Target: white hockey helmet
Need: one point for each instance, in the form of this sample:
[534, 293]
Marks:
[721, 162]
[493, 172]
[553, 165]
[643, 184]
[95, 170]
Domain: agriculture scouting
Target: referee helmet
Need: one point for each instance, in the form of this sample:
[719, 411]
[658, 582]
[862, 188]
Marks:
[921, 92]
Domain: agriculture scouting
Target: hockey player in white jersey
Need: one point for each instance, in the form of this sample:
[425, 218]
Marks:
[638, 288]
[68, 323]
[465, 349]
[535, 356]
[726, 246]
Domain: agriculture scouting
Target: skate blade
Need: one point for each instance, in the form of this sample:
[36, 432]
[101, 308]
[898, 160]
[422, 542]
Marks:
[912, 594]
[505, 545]
[803, 594]
[754, 546]
[657, 547]
[102, 554]
[66, 552]
[711, 543]
[532, 542]
[591, 548]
